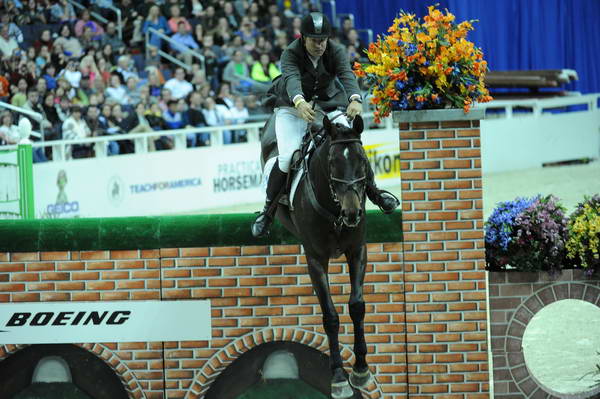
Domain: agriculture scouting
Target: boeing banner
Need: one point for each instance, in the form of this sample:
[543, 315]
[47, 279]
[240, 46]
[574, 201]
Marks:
[118, 321]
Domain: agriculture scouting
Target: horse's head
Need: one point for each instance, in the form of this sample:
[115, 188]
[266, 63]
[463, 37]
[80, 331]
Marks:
[347, 169]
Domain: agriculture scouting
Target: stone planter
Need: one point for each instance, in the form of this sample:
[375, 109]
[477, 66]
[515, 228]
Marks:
[517, 301]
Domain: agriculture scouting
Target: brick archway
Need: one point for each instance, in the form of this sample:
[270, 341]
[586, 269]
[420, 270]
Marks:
[220, 360]
[126, 376]
[513, 344]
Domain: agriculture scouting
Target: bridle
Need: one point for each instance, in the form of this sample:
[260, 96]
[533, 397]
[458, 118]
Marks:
[351, 183]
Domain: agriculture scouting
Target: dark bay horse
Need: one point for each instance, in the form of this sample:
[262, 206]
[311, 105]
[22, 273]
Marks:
[328, 218]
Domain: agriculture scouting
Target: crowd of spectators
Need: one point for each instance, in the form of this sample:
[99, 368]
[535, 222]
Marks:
[87, 80]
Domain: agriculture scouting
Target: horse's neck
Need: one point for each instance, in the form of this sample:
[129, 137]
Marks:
[319, 174]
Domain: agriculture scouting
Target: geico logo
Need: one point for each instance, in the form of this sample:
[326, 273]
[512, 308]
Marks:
[68, 318]
[63, 208]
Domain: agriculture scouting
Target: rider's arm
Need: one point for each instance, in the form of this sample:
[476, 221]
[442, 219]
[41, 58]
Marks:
[291, 75]
[344, 73]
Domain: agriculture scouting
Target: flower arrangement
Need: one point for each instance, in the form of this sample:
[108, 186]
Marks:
[583, 245]
[427, 64]
[527, 234]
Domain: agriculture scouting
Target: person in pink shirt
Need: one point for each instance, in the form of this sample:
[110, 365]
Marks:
[84, 21]
[176, 18]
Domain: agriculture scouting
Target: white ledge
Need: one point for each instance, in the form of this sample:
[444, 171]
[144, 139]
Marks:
[436, 115]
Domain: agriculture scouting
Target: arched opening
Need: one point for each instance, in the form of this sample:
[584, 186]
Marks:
[269, 369]
[60, 371]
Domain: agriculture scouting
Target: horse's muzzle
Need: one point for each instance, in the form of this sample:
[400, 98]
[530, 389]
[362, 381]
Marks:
[352, 217]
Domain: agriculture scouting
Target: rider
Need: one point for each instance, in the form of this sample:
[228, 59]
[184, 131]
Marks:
[310, 66]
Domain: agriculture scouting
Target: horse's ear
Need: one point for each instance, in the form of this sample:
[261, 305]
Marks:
[358, 124]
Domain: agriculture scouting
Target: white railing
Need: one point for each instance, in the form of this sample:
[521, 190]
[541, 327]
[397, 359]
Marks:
[541, 105]
[140, 140]
[186, 51]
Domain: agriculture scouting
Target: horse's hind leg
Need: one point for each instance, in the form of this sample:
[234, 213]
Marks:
[317, 270]
[357, 262]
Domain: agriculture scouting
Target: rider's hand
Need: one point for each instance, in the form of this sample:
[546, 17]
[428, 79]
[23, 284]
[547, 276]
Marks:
[305, 111]
[354, 108]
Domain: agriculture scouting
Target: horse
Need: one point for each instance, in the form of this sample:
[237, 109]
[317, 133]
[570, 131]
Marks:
[327, 215]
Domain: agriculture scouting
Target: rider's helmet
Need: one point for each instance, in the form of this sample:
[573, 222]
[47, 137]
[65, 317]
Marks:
[316, 25]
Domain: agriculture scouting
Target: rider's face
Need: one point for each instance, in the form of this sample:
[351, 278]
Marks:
[315, 47]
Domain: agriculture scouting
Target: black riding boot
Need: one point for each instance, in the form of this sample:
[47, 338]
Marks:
[385, 200]
[277, 179]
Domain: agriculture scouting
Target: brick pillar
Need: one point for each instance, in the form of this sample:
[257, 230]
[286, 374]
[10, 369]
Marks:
[443, 254]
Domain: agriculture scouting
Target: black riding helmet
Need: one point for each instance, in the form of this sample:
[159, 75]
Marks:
[316, 25]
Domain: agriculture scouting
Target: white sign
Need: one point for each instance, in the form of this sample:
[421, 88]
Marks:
[111, 321]
[175, 181]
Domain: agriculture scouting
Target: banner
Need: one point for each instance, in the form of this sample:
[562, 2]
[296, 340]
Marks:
[118, 321]
[175, 181]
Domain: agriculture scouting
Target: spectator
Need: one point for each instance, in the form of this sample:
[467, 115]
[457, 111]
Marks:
[156, 21]
[104, 70]
[104, 8]
[88, 68]
[231, 15]
[197, 9]
[294, 31]
[112, 37]
[199, 33]
[178, 86]
[182, 41]
[347, 24]
[238, 115]
[237, 74]
[264, 70]
[248, 32]
[87, 39]
[199, 80]
[223, 32]
[75, 128]
[19, 97]
[83, 92]
[8, 45]
[173, 117]
[224, 96]
[133, 91]
[210, 19]
[43, 57]
[13, 29]
[70, 44]
[274, 28]
[9, 133]
[109, 127]
[352, 39]
[280, 44]
[140, 123]
[51, 116]
[126, 68]
[124, 123]
[196, 118]
[92, 118]
[176, 19]
[58, 57]
[253, 15]
[4, 87]
[216, 115]
[165, 97]
[116, 91]
[44, 40]
[263, 46]
[62, 12]
[71, 73]
[85, 21]
[49, 75]
[108, 54]
[41, 86]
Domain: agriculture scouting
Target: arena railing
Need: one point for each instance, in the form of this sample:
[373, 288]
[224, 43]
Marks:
[101, 18]
[536, 107]
[195, 54]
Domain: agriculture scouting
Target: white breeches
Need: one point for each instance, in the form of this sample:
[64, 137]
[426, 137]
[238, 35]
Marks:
[290, 129]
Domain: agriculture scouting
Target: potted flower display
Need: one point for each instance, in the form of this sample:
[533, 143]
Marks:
[423, 65]
[527, 234]
[583, 246]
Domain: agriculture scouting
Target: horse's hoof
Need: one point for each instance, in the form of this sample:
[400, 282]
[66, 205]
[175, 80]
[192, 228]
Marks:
[360, 380]
[341, 390]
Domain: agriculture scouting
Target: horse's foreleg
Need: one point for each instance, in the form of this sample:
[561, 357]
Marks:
[357, 262]
[331, 323]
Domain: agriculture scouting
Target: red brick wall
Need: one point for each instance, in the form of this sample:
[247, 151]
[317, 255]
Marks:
[426, 300]
[258, 294]
[443, 260]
